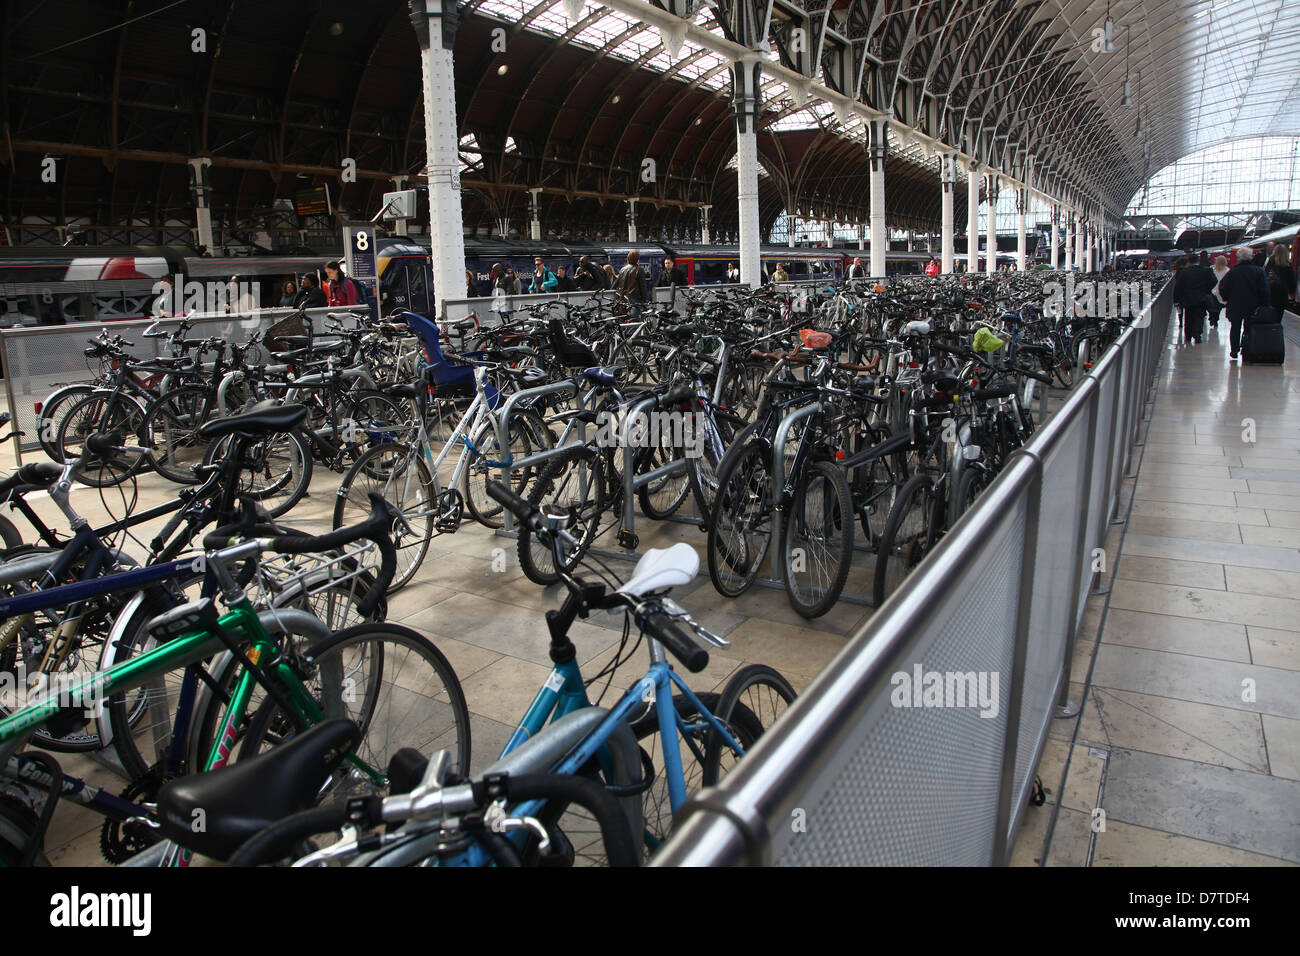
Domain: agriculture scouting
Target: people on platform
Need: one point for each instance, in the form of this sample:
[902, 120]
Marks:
[1243, 289]
[1193, 290]
[671, 275]
[310, 295]
[1220, 267]
[471, 287]
[857, 270]
[1281, 278]
[288, 292]
[514, 284]
[543, 278]
[932, 267]
[610, 276]
[340, 290]
[733, 274]
[631, 284]
[780, 275]
[563, 281]
[589, 277]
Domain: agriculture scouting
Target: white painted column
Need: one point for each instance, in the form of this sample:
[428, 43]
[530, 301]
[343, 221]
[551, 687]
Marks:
[631, 220]
[446, 223]
[535, 213]
[704, 225]
[1022, 202]
[745, 77]
[876, 148]
[1056, 234]
[199, 167]
[862, 237]
[973, 219]
[948, 177]
[991, 254]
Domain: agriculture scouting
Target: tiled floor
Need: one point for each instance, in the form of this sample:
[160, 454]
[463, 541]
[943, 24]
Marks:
[1189, 737]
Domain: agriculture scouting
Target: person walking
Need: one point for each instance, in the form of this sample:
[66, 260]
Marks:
[631, 284]
[1216, 306]
[543, 278]
[589, 277]
[670, 275]
[471, 287]
[1193, 285]
[1281, 278]
[562, 281]
[1243, 289]
[610, 276]
[340, 290]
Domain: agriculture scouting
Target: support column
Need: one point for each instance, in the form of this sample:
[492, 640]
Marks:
[876, 148]
[435, 23]
[631, 220]
[1056, 235]
[704, 225]
[948, 178]
[746, 105]
[535, 213]
[199, 167]
[1069, 239]
[1022, 207]
[973, 219]
[789, 227]
[862, 237]
[1080, 240]
[991, 254]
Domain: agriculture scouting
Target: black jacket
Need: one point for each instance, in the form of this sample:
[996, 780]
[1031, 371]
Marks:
[630, 281]
[673, 276]
[1193, 285]
[1244, 288]
[310, 297]
[1281, 285]
[591, 278]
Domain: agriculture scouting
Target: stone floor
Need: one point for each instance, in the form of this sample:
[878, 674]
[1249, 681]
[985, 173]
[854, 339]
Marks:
[1189, 668]
[1206, 595]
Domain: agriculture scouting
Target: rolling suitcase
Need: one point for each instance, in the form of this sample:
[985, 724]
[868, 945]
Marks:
[1263, 344]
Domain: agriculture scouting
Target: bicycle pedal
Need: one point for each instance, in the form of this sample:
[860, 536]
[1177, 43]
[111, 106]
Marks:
[561, 852]
[628, 540]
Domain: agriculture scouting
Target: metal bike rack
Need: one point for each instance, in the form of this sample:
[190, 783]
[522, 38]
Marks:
[503, 436]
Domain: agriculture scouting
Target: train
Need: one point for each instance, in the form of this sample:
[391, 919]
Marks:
[56, 285]
[1288, 236]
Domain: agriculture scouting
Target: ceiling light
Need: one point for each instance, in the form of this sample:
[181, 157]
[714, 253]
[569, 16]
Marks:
[503, 69]
[615, 98]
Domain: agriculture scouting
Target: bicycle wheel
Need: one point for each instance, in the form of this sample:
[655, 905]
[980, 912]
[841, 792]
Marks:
[575, 481]
[740, 528]
[400, 475]
[817, 540]
[373, 418]
[275, 471]
[702, 469]
[660, 498]
[907, 538]
[758, 691]
[395, 685]
[875, 486]
[527, 435]
[693, 742]
[171, 426]
[53, 410]
[100, 414]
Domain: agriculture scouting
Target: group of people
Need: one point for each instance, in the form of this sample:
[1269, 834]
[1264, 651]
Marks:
[306, 293]
[1259, 279]
[631, 280]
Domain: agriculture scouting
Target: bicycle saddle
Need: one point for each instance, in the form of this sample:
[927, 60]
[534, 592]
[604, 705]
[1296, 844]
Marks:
[663, 568]
[263, 418]
[237, 800]
[603, 374]
[917, 327]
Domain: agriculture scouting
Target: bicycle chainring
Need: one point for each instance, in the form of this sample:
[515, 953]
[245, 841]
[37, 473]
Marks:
[119, 840]
[451, 508]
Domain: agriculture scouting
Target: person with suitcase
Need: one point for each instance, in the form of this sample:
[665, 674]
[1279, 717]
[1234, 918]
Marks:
[1243, 289]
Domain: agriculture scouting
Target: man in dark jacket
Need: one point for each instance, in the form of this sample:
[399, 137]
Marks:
[671, 275]
[589, 278]
[1193, 285]
[630, 283]
[309, 295]
[562, 281]
[1244, 289]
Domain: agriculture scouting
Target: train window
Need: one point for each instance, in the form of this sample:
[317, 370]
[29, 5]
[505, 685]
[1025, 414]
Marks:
[415, 285]
[714, 270]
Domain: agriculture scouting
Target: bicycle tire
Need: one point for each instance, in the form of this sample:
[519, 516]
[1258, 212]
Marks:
[907, 536]
[818, 528]
[93, 416]
[444, 719]
[764, 693]
[51, 416]
[532, 435]
[402, 477]
[740, 528]
[275, 471]
[577, 481]
[174, 419]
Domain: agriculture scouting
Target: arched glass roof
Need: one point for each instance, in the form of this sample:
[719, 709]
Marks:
[1246, 175]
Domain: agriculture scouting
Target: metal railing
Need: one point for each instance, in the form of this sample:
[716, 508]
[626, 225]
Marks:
[872, 766]
[39, 359]
[490, 311]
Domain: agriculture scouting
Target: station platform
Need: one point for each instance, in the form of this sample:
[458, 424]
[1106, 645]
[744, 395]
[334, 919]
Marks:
[1189, 736]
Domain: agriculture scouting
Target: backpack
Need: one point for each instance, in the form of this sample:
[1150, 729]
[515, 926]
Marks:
[363, 294]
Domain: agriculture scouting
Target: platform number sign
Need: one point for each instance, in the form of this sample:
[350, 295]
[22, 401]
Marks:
[360, 243]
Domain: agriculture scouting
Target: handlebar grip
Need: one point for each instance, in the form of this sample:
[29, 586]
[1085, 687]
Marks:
[934, 404]
[104, 444]
[517, 506]
[680, 641]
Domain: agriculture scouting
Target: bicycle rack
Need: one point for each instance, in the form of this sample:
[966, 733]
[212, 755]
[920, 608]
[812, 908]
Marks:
[503, 437]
